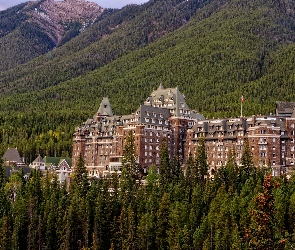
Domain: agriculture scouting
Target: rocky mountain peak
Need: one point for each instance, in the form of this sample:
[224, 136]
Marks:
[53, 16]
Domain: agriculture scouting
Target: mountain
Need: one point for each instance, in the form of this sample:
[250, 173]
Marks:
[35, 28]
[214, 50]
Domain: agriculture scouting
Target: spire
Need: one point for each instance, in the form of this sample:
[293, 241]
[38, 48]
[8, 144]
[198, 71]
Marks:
[105, 108]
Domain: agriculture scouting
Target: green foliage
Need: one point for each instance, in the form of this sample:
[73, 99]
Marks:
[80, 181]
[262, 234]
[213, 50]
[165, 168]
[40, 213]
[201, 162]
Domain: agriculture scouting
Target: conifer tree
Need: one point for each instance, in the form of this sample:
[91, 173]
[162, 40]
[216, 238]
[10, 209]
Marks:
[165, 166]
[130, 170]
[152, 177]
[5, 233]
[247, 164]
[232, 169]
[262, 234]
[129, 160]
[191, 173]
[201, 161]
[2, 175]
[176, 168]
[79, 181]
[163, 222]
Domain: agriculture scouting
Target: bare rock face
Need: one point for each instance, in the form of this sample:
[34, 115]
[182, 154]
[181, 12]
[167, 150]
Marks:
[53, 16]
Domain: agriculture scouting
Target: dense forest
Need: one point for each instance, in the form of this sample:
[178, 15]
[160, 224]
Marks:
[213, 50]
[239, 207]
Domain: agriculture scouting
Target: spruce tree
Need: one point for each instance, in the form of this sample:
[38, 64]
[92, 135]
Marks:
[79, 181]
[129, 161]
[247, 165]
[165, 166]
[262, 234]
[130, 170]
[201, 161]
[232, 169]
[163, 222]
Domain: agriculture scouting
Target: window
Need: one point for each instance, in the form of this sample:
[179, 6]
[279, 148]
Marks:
[263, 154]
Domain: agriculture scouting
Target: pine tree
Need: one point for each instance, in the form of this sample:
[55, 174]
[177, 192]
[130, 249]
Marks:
[176, 169]
[152, 178]
[79, 181]
[232, 168]
[262, 233]
[247, 165]
[130, 170]
[201, 162]
[163, 222]
[2, 174]
[165, 166]
[5, 233]
[129, 160]
[191, 173]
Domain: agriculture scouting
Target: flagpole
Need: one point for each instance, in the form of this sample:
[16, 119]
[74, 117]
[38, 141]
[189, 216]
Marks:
[242, 100]
[241, 108]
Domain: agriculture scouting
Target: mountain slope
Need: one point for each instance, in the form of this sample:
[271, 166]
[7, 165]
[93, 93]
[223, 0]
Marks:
[34, 28]
[214, 59]
[227, 48]
[129, 29]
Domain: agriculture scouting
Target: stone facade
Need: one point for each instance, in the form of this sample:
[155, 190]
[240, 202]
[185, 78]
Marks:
[271, 140]
[164, 115]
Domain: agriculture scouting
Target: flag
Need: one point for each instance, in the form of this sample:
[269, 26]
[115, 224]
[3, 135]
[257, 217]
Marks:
[242, 99]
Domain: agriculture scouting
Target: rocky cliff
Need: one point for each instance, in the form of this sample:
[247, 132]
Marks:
[56, 16]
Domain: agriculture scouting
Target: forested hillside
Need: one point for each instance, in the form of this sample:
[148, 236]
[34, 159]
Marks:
[35, 28]
[242, 207]
[213, 50]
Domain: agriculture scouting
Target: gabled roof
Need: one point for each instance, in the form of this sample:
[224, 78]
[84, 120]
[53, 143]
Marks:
[105, 108]
[12, 155]
[56, 161]
[39, 159]
[284, 108]
[173, 99]
[9, 170]
[67, 160]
